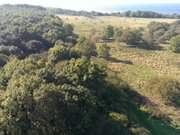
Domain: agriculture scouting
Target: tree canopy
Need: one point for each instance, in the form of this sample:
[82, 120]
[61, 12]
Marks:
[32, 33]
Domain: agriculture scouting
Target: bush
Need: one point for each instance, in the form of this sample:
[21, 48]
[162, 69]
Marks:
[168, 89]
[132, 37]
[84, 72]
[10, 50]
[175, 44]
[148, 42]
[85, 47]
[119, 118]
[140, 131]
[118, 33]
[109, 32]
[3, 60]
[157, 30]
[32, 33]
[103, 51]
[58, 53]
[34, 46]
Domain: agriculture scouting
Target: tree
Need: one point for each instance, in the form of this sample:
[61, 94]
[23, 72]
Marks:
[103, 51]
[22, 35]
[3, 60]
[157, 30]
[34, 46]
[118, 33]
[85, 47]
[147, 41]
[132, 36]
[175, 44]
[57, 53]
[84, 72]
[68, 29]
[30, 104]
[109, 32]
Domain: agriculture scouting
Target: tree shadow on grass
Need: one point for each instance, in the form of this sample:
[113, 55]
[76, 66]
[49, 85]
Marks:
[156, 125]
[120, 61]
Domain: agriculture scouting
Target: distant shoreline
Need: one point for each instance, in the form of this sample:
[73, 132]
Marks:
[159, 8]
[137, 11]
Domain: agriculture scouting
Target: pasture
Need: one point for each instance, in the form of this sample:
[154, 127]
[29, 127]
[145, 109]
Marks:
[136, 66]
[84, 25]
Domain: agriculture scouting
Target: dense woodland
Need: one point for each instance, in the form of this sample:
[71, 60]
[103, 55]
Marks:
[52, 82]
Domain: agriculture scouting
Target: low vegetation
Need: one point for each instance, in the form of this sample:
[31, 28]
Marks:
[175, 44]
[56, 80]
[166, 88]
[22, 35]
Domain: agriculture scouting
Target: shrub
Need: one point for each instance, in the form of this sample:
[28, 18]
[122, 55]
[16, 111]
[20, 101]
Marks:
[140, 131]
[85, 47]
[175, 44]
[103, 51]
[109, 32]
[168, 89]
[58, 53]
[119, 118]
[132, 37]
[3, 60]
[117, 34]
[34, 46]
[84, 72]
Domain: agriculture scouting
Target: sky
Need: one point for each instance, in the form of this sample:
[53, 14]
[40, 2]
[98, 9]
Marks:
[85, 4]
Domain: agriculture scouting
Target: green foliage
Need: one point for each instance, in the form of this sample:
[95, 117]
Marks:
[120, 118]
[57, 53]
[148, 41]
[103, 51]
[71, 99]
[157, 30]
[30, 104]
[42, 99]
[118, 33]
[175, 44]
[139, 38]
[85, 47]
[140, 131]
[40, 95]
[3, 60]
[84, 72]
[38, 9]
[109, 32]
[131, 36]
[22, 35]
[168, 89]
[34, 46]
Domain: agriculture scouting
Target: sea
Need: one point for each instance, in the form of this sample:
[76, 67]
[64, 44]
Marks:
[160, 8]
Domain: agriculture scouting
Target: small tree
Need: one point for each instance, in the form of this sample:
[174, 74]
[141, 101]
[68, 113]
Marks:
[132, 37]
[117, 34]
[57, 53]
[109, 31]
[34, 46]
[175, 44]
[84, 72]
[103, 51]
[85, 47]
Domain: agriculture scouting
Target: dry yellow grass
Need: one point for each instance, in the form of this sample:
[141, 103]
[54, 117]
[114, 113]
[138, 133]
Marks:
[145, 64]
[83, 25]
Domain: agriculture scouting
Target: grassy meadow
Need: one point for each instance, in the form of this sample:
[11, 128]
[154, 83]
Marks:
[136, 66]
[84, 25]
[93, 75]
